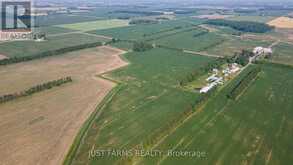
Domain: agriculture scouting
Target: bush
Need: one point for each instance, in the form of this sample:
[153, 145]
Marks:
[142, 46]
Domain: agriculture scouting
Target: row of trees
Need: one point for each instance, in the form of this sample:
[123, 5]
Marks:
[243, 83]
[244, 26]
[143, 21]
[35, 89]
[141, 46]
[48, 53]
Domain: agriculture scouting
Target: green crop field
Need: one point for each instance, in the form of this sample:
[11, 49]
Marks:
[256, 129]
[190, 41]
[283, 53]
[139, 32]
[26, 48]
[150, 99]
[57, 19]
[49, 30]
[96, 25]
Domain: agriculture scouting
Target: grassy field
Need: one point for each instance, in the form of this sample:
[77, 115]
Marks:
[256, 129]
[232, 45]
[189, 41]
[26, 48]
[139, 32]
[57, 19]
[53, 30]
[262, 19]
[146, 103]
[283, 53]
[96, 25]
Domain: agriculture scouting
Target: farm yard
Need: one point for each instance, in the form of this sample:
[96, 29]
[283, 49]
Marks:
[2, 57]
[44, 125]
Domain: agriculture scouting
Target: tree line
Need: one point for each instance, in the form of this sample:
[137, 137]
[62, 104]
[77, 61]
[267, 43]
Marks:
[243, 83]
[35, 89]
[244, 26]
[48, 53]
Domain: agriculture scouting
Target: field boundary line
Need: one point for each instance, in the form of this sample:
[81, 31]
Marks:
[79, 138]
[202, 53]
[87, 125]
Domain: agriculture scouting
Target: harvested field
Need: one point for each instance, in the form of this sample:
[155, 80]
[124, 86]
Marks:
[43, 126]
[282, 22]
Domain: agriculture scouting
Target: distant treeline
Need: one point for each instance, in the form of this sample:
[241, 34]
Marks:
[243, 83]
[35, 89]
[143, 21]
[244, 26]
[48, 53]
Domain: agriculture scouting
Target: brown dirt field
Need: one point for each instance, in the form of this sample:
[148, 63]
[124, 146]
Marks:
[282, 22]
[2, 57]
[40, 129]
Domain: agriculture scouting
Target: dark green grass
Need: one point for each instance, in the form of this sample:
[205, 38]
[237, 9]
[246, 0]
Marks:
[247, 130]
[150, 100]
[28, 48]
